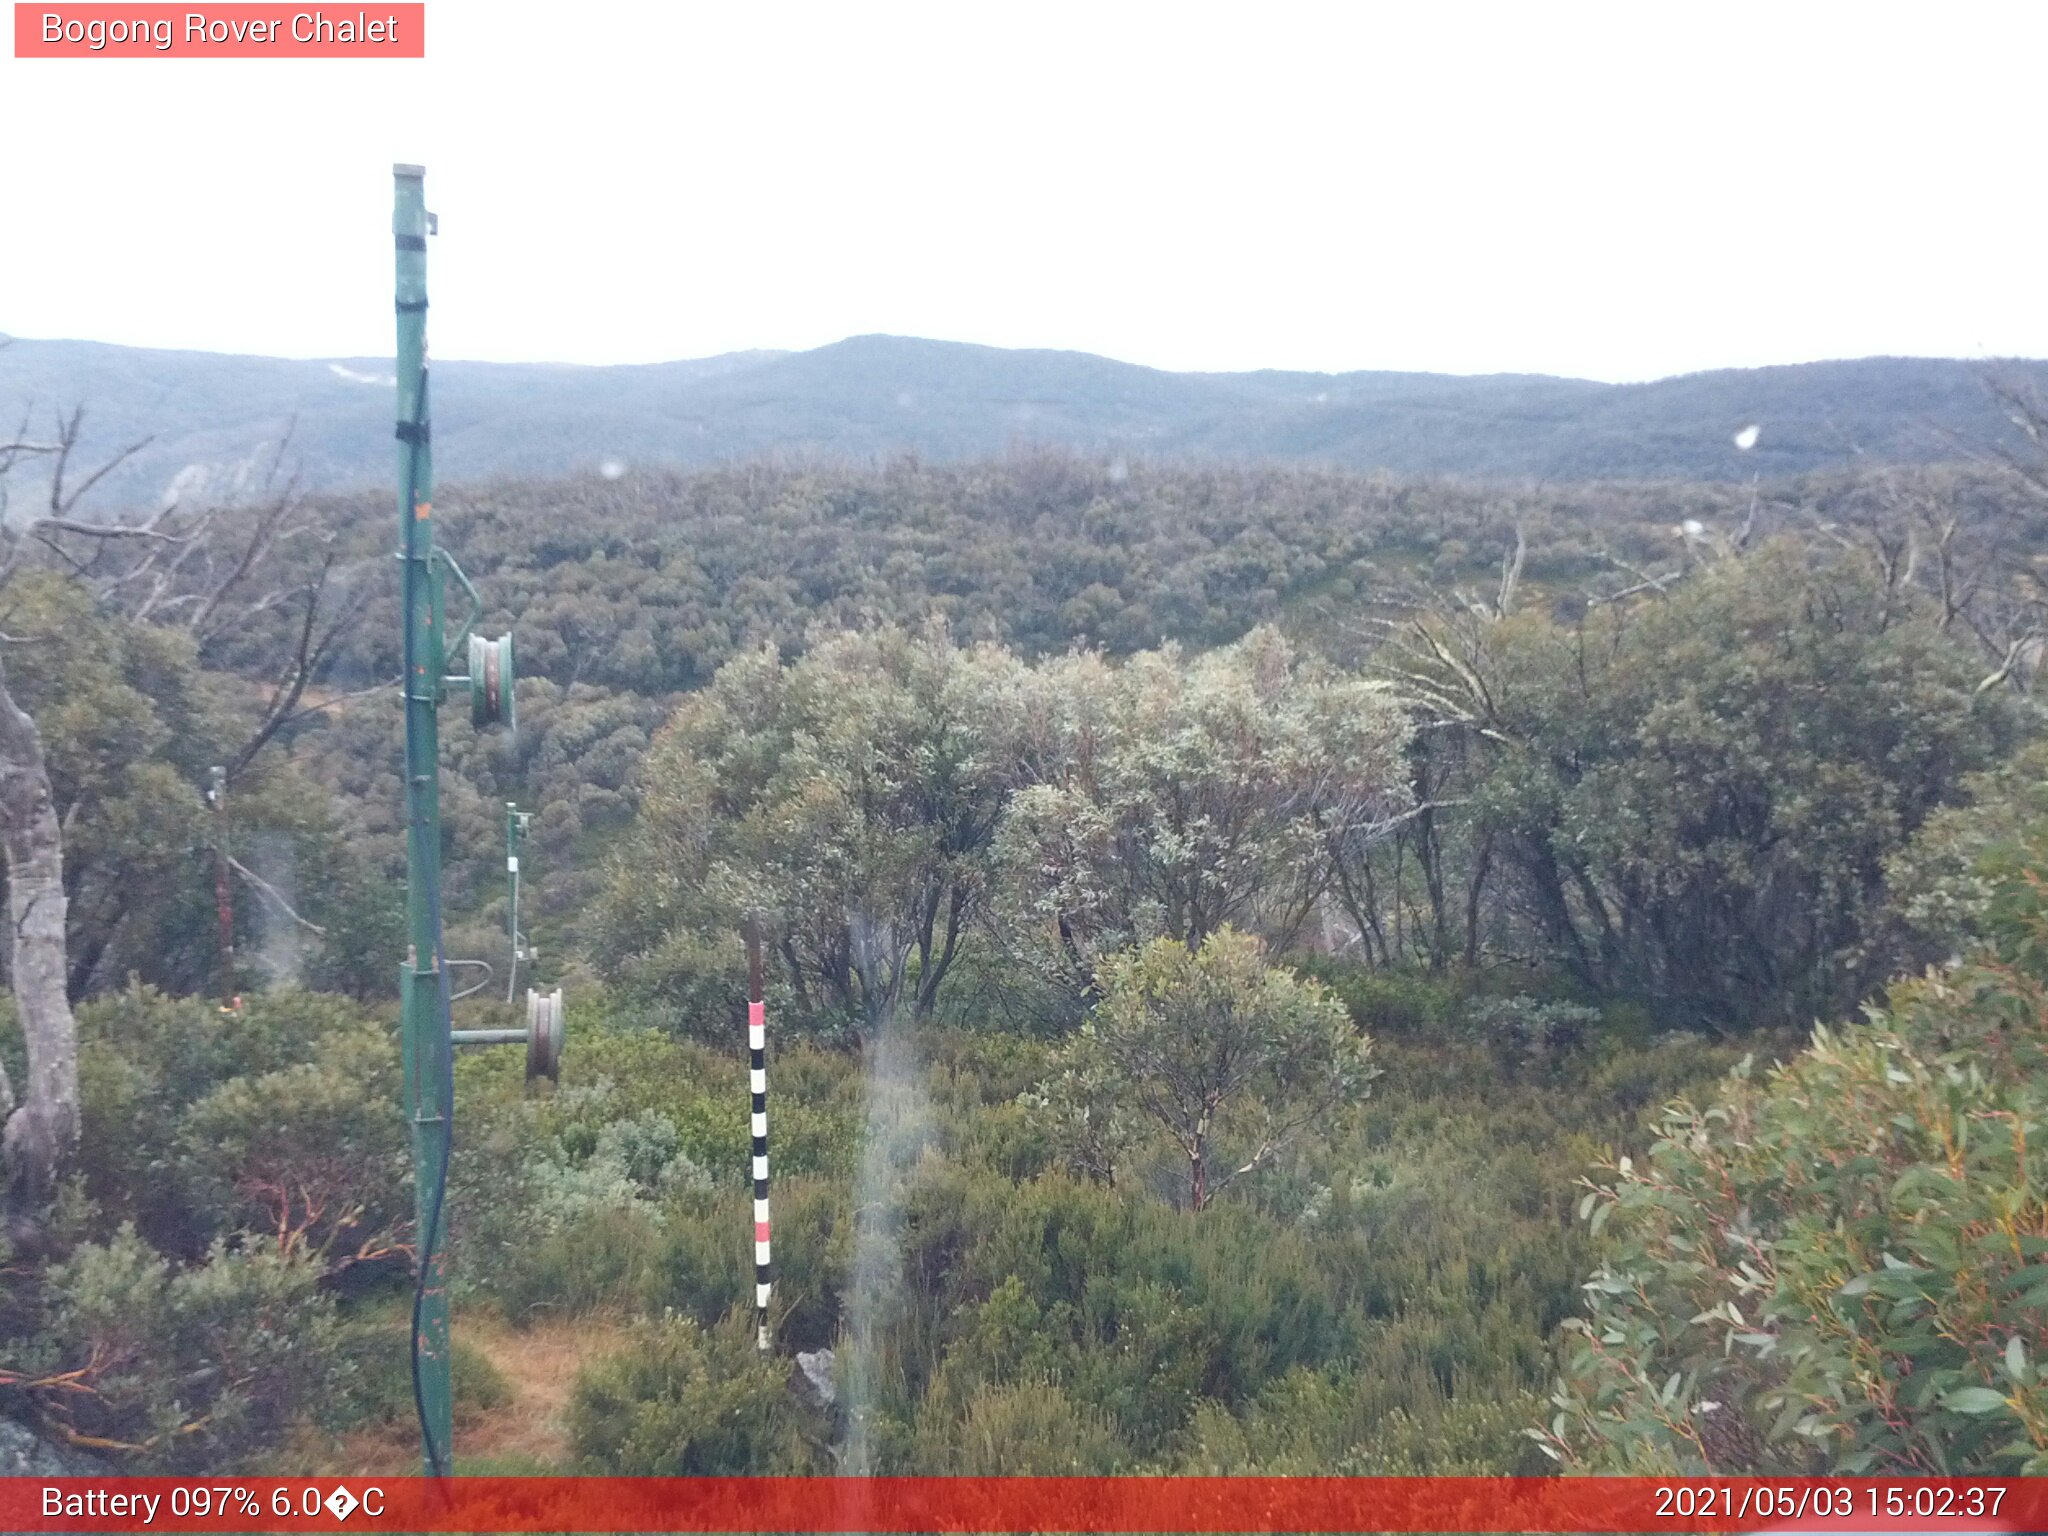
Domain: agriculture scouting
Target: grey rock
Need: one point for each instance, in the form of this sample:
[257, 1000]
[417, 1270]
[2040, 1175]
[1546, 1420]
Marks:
[24, 1453]
[813, 1378]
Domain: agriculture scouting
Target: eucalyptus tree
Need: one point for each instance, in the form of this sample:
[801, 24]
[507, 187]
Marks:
[1694, 793]
[1226, 1056]
[1832, 1266]
[852, 796]
[182, 581]
[1173, 795]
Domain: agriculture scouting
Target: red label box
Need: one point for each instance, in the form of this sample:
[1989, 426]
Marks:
[232, 31]
[1199, 1506]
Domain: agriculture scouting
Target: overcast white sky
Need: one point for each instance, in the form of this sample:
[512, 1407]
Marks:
[1617, 192]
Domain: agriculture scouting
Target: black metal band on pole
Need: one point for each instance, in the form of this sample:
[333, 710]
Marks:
[757, 1084]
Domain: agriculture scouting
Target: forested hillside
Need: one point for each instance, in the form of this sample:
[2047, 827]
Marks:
[213, 422]
[1271, 969]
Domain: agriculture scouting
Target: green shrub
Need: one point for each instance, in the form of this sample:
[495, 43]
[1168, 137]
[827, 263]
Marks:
[1132, 1309]
[1941, 885]
[312, 1155]
[1839, 1268]
[682, 1401]
[1028, 1429]
[186, 1109]
[1475, 1435]
[1223, 1056]
[1526, 1034]
[604, 1259]
[191, 1367]
[705, 1261]
[1401, 1003]
[378, 1388]
[1336, 1422]
[627, 1187]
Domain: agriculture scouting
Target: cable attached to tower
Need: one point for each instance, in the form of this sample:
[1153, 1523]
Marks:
[414, 434]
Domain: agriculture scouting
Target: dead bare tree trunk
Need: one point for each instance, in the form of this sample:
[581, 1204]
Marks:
[42, 1129]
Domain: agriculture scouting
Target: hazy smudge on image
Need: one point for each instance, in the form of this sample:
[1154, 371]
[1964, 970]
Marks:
[279, 941]
[894, 1133]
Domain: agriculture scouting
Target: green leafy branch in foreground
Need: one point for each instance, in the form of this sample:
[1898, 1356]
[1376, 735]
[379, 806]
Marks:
[1842, 1267]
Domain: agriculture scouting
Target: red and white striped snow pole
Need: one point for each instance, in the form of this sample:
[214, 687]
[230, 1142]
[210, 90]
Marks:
[757, 1083]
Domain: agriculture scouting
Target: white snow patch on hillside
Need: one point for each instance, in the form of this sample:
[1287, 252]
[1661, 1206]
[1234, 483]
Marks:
[385, 379]
[189, 481]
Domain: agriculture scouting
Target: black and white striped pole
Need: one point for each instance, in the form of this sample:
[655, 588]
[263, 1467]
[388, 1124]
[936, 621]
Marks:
[757, 1084]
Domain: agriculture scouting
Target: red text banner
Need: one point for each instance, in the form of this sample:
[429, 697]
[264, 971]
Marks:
[232, 31]
[1121, 1504]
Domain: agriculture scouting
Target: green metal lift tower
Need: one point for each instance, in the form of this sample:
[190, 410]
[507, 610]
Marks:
[428, 1040]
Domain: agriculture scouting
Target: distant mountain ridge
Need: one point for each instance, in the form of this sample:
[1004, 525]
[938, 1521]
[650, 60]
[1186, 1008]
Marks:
[216, 419]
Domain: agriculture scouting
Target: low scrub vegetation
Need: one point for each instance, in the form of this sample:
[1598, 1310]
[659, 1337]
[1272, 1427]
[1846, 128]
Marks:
[1322, 1023]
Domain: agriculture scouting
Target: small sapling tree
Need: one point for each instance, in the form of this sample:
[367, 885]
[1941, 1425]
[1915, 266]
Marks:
[1230, 1057]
